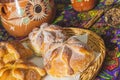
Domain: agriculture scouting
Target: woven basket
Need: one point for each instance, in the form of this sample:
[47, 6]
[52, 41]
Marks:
[97, 44]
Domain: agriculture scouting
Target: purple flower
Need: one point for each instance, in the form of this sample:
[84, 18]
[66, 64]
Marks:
[118, 32]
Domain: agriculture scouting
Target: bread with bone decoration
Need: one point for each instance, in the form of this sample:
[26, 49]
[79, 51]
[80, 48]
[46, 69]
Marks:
[41, 38]
[12, 51]
[68, 58]
[21, 70]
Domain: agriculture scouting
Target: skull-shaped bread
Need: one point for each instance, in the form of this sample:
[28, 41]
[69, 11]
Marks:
[12, 51]
[68, 58]
[41, 38]
[21, 71]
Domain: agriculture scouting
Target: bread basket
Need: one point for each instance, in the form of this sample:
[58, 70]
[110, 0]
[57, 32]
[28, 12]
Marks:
[97, 44]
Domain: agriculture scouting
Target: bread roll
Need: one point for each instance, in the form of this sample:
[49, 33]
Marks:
[68, 58]
[21, 71]
[12, 51]
[41, 38]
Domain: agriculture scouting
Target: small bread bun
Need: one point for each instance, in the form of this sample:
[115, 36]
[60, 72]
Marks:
[68, 58]
[12, 51]
[41, 38]
[21, 71]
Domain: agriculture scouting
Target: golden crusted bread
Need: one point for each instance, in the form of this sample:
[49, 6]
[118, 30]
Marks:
[12, 51]
[21, 71]
[41, 38]
[68, 58]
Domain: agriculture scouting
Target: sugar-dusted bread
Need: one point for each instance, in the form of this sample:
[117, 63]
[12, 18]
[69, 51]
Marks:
[12, 51]
[41, 38]
[21, 71]
[68, 58]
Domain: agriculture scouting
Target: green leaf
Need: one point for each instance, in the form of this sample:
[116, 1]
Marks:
[118, 54]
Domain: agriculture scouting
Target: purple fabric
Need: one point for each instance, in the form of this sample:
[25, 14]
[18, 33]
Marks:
[66, 16]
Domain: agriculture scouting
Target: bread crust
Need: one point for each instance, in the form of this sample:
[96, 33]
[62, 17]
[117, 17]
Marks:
[12, 51]
[41, 38]
[68, 58]
[21, 71]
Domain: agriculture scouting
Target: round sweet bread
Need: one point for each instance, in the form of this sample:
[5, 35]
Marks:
[41, 38]
[68, 58]
[21, 71]
[12, 51]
